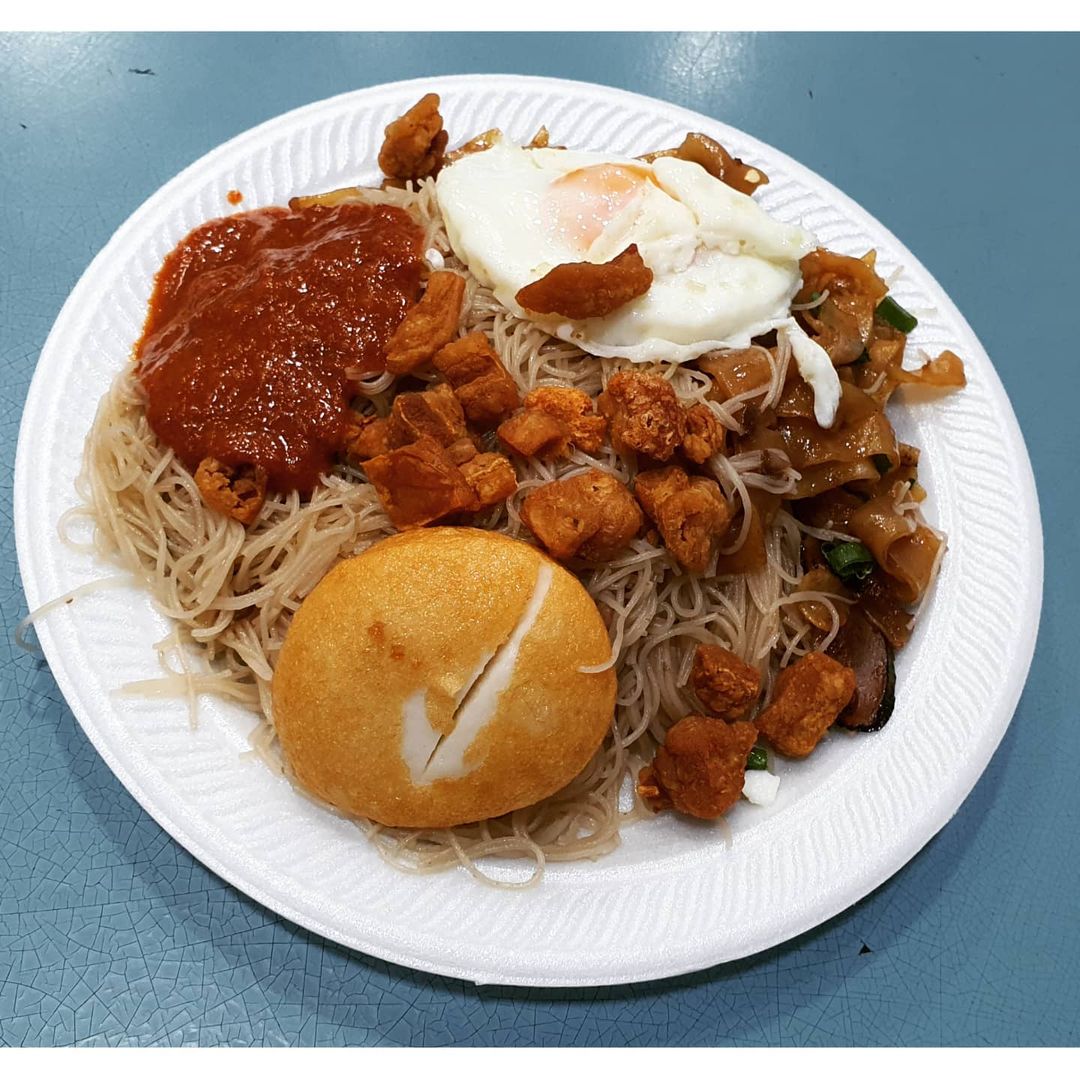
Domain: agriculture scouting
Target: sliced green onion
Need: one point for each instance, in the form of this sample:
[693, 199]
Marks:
[881, 463]
[758, 758]
[897, 317]
[850, 561]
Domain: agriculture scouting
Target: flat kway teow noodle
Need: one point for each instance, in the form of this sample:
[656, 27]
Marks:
[524, 419]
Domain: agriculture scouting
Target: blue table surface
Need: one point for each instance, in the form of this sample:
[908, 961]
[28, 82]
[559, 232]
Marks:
[968, 148]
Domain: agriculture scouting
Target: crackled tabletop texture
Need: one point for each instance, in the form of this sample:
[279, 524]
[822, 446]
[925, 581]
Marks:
[968, 148]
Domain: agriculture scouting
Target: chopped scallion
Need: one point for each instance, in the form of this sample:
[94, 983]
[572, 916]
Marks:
[850, 561]
[758, 758]
[897, 317]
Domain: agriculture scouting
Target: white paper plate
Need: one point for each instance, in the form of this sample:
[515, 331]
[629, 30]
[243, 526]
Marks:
[675, 897]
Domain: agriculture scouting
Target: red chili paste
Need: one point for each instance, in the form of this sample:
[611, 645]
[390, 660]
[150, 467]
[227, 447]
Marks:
[255, 321]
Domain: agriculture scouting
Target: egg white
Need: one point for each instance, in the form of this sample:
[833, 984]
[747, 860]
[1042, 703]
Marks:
[724, 271]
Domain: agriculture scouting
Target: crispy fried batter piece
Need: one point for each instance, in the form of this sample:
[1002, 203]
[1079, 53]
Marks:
[436, 413]
[591, 515]
[462, 450]
[690, 512]
[414, 144]
[490, 399]
[655, 486]
[467, 359]
[620, 516]
[809, 696]
[238, 492]
[716, 161]
[366, 436]
[704, 434]
[419, 484]
[644, 413]
[554, 419]
[492, 478]
[700, 769]
[575, 409]
[533, 433]
[483, 386]
[725, 685]
[428, 325]
[559, 519]
[585, 290]
[691, 520]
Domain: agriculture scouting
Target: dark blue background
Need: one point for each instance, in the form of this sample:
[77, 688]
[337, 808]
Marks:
[968, 148]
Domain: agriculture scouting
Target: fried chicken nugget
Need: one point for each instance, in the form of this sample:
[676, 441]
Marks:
[238, 492]
[415, 143]
[429, 324]
[701, 767]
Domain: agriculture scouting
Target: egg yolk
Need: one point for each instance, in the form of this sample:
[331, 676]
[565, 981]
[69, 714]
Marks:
[580, 205]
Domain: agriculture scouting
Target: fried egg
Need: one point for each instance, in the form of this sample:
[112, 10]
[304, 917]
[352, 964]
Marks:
[724, 271]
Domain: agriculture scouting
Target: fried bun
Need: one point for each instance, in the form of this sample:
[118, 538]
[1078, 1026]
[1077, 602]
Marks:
[436, 679]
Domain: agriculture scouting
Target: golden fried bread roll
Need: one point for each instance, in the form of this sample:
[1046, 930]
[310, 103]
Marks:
[434, 680]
